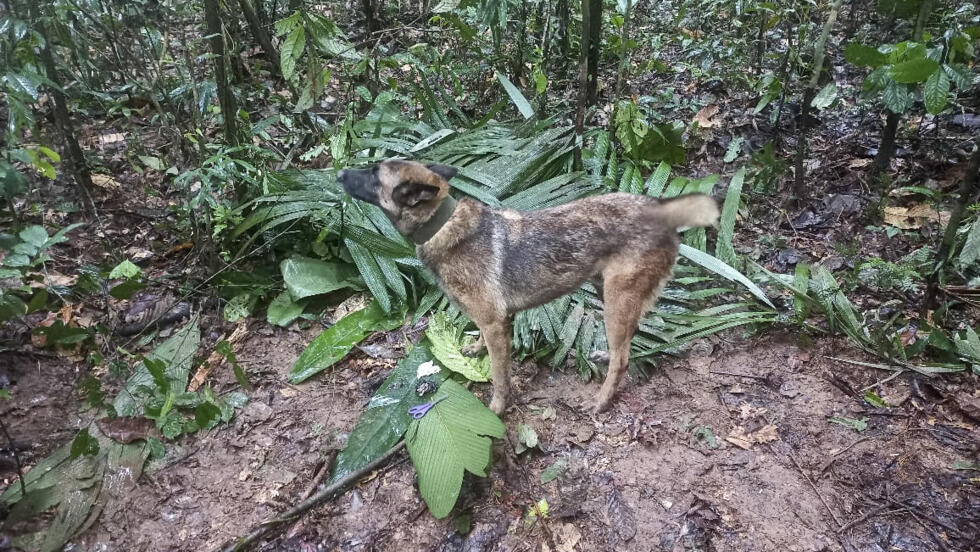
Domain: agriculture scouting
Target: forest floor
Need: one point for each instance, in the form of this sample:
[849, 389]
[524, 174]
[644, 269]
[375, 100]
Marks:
[729, 448]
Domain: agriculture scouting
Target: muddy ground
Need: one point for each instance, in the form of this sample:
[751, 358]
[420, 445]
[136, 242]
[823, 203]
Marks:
[729, 448]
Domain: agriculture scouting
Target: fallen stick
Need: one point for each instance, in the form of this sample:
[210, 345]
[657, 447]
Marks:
[312, 501]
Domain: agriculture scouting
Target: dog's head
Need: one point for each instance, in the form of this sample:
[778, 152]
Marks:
[408, 192]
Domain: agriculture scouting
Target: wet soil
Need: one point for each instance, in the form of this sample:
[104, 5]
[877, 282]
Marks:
[728, 448]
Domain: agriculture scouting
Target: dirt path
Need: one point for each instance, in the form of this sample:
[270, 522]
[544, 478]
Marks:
[662, 471]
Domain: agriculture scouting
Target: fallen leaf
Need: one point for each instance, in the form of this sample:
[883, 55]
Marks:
[704, 115]
[53, 278]
[858, 163]
[909, 218]
[568, 536]
[126, 429]
[765, 434]
[179, 247]
[747, 411]
[111, 138]
[106, 182]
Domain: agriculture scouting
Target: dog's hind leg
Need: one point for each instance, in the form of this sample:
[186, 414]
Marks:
[496, 334]
[630, 288]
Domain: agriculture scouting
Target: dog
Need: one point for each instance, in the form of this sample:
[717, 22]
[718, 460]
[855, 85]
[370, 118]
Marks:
[494, 262]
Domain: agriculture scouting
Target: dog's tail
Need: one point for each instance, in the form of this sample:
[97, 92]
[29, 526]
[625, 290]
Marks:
[693, 210]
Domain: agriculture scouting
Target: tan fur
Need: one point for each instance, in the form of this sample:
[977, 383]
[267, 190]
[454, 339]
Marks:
[496, 262]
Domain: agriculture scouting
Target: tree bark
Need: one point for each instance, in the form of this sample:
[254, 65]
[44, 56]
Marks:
[968, 190]
[262, 37]
[819, 53]
[79, 167]
[229, 111]
[588, 69]
[591, 42]
[887, 147]
[370, 16]
[563, 18]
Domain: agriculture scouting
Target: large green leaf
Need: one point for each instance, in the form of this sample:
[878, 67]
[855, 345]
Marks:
[971, 249]
[451, 438]
[283, 310]
[445, 342]
[337, 340]
[292, 49]
[515, 95]
[726, 231]
[896, 97]
[176, 354]
[305, 277]
[913, 71]
[935, 92]
[722, 269]
[864, 56]
[386, 417]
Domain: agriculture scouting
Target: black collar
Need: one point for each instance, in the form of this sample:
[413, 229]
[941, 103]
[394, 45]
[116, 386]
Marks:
[435, 223]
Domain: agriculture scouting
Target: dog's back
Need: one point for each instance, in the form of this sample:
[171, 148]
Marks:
[529, 258]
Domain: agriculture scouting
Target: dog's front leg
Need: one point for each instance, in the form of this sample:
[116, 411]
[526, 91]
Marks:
[497, 337]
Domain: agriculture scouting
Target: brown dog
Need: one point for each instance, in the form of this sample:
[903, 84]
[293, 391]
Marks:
[496, 262]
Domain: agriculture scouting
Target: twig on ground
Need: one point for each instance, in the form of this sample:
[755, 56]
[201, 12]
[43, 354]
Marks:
[737, 375]
[833, 458]
[812, 486]
[866, 517]
[13, 451]
[315, 500]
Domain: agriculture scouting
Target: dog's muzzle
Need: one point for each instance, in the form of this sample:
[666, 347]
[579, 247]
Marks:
[361, 184]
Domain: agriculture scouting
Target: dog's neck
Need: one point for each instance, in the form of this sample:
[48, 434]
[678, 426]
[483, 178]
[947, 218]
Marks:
[435, 223]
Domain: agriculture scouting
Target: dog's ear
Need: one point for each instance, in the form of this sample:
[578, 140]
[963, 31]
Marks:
[410, 194]
[444, 171]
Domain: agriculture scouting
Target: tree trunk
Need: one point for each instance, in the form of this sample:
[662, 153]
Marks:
[262, 37]
[79, 168]
[887, 147]
[563, 28]
[591, 28]
[229, 111]
[799, 184]
[518, 67]
[968, 190]
[760, 42]
[588, 69]
[370, 16]
[819, 53]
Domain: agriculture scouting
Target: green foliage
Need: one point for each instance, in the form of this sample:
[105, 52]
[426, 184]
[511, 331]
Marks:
[337, 340]
[386, 417]
[446, 341]
[26, 253]
[451, 438]
[899, 69]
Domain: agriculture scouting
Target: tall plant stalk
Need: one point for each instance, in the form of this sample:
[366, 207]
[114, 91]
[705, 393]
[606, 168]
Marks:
[226, 99]
[819, 53]
[886, 149]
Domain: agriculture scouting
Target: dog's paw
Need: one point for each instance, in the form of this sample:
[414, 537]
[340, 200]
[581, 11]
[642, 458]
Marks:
[599, 357]
[473, 350]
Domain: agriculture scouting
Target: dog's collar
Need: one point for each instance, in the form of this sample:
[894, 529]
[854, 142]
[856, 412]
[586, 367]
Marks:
[435, 223]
